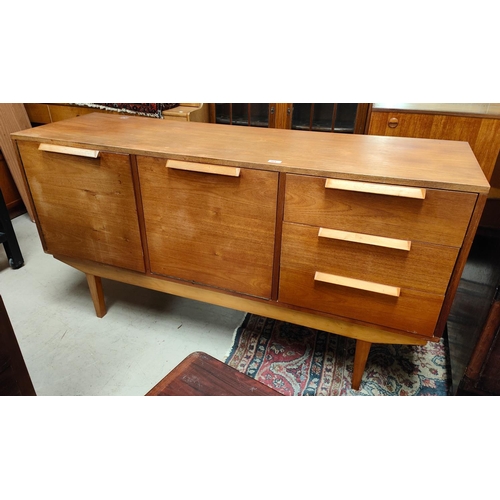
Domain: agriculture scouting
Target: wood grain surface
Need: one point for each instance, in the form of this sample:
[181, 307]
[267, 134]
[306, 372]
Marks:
[211, 229]
[392, 160]
[249, 240]
[202, 375]
[482, 133]
[302, 249]
[13, 118]
[430, 220]
[86, 206]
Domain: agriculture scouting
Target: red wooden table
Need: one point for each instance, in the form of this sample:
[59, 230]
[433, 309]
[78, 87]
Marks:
[202, 375]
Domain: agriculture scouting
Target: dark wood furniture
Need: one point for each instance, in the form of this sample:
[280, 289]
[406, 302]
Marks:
[474, 321]
[350, 118]
[15, 379]
[351, 234]
[202, 375]
[13, 117]
[8, 237]
[12, 197]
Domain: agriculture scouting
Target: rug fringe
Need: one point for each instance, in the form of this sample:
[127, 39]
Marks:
[230, 351]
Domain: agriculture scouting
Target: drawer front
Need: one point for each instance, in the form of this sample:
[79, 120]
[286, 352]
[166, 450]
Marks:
[384, 286]
[85, 204]
[210, 225]
[442, 217]
[425, 267]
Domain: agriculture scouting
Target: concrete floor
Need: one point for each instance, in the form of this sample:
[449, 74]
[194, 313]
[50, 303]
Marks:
[69, 351]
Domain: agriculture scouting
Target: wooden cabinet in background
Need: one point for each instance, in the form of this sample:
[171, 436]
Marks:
[13, 117]
[348, 118]
[479, 125]
[42, 113]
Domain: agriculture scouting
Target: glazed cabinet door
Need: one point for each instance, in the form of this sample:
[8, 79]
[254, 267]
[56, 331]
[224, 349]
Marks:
[342, 117]
[85, 203]
[210, 224]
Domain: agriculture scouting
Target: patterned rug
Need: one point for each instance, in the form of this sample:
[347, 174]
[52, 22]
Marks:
[301, 361]
[143, 109]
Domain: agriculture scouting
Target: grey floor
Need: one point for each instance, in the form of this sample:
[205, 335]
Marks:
[69, 351]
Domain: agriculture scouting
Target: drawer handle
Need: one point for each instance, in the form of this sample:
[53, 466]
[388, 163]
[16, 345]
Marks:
[359, 284]
[54, 148]
[393, 122]
[369, 187]
[204, 168]
[366, 239]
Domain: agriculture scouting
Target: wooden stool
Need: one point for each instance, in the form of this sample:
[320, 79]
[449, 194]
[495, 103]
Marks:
[202, 375]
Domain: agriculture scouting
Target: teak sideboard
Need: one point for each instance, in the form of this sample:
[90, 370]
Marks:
[361, 236]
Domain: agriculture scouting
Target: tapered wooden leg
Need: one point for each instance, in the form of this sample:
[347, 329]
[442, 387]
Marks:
[360, 357]
[95, 286]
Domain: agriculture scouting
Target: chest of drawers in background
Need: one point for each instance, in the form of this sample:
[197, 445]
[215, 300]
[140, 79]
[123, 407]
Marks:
[355, 235]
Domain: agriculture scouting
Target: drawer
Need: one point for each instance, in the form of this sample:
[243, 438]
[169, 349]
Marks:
[385, 286]
[442, 217]
[210, 224]
[85, 202]
[426, 267]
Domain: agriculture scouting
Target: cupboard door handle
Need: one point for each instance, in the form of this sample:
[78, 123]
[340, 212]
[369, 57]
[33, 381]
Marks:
[358, 284]
[366, 239]
[204, 168]
[54, 148]
[393, 122]
[370, 187]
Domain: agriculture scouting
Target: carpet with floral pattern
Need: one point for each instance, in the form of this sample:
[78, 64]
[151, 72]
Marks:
[301, 361]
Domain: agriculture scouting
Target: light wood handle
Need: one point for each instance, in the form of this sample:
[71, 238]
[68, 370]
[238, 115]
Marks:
[204, 168]
[54, 148]
[359, 284]
[370, 187]
[366, 239]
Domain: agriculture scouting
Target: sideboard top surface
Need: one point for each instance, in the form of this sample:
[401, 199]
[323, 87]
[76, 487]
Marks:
[395, 160]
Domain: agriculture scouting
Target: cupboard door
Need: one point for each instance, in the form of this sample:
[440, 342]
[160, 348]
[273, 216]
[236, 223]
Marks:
[86, 205]
[341, 117]
[211, 225]
[273, 115]
[347, 118]
[254, 115]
